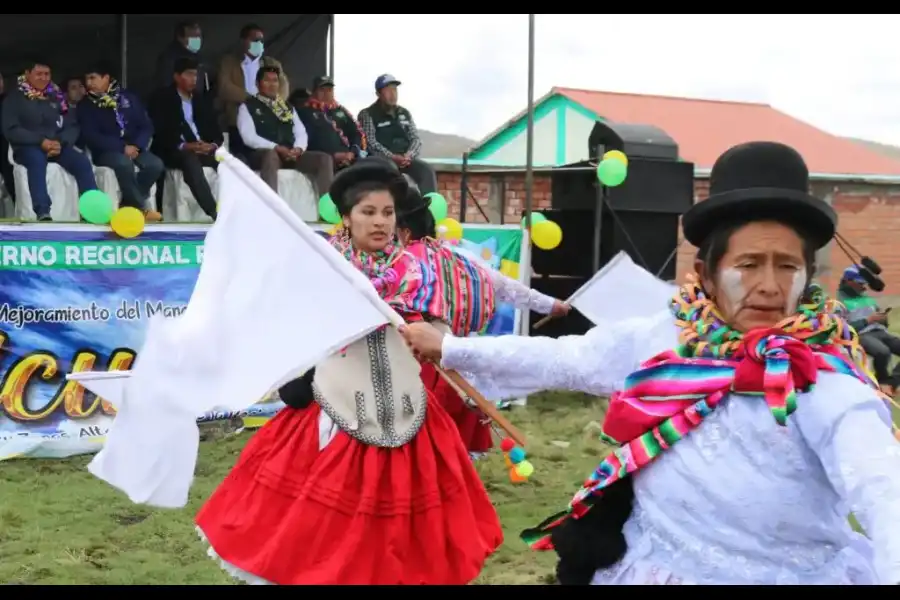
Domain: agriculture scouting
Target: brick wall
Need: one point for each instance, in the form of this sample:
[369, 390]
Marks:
[869, 217]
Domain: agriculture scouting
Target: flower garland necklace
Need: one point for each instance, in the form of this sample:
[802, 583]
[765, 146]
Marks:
[283, 112]
[48, 93]
[111, 99]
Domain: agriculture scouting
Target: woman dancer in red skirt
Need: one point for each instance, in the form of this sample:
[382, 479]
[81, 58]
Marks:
[483, 288]
[363, 478]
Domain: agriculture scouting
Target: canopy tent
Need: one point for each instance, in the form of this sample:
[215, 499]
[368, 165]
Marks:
[70, 42]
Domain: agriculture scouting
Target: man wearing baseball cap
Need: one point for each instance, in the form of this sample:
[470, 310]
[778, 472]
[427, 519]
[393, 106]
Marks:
[392, 133]
[871, 324]
[331, 127]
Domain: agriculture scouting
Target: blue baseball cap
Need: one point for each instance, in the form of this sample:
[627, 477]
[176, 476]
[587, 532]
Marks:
[385, 80]
[852, 273]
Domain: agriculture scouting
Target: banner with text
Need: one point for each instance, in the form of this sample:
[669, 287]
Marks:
[77, 298]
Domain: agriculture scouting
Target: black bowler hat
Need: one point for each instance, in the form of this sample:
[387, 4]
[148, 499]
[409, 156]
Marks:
[374, 170]
[760, 181]
[412, 203]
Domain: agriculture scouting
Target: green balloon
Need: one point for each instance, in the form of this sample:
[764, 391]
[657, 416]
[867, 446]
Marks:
[328, 210]
[96, 207]
[611, 172]
[535, 219]
[438, 206]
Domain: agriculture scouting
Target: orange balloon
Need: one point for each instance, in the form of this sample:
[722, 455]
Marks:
[508, 462]
[515, 477]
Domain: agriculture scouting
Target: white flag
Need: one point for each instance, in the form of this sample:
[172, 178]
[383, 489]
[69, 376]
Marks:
[272, 299]
[622, 290]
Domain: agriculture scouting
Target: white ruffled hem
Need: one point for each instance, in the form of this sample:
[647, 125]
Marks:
[237, 573]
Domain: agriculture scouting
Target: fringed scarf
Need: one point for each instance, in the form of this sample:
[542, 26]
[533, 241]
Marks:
[51, 92]
[283, 111]
[112, 99]
[673, 392]
[454, 288]
[394, 272]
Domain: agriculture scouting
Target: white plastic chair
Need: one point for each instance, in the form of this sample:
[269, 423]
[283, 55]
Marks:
[109, 184]
[61, 186]
[179, 204]
[299, 193]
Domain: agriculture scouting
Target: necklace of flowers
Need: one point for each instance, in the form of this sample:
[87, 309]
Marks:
[325, 107]
[51, 91]
[282, 110]
[110, 99]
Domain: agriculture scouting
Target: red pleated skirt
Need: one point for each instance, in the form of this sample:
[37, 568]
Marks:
[351, 513]
[473, 430]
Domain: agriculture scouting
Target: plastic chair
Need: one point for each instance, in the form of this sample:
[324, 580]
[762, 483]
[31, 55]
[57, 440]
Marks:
[179, 204]
[61, 186]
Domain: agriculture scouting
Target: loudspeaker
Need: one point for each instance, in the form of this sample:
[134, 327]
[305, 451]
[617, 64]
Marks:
[636, 141]
[648, 238]
[656, 186]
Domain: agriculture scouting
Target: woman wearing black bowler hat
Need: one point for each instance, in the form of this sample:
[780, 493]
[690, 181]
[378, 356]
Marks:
[362, 479]
[744, 420]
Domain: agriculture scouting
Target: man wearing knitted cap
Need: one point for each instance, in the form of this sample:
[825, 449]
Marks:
[392, 133]
[871, 324]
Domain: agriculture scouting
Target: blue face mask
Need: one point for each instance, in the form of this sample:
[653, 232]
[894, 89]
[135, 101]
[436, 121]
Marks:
[256, 49]
[194, 43]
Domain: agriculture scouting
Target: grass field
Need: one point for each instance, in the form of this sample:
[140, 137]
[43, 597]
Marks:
[60, 525]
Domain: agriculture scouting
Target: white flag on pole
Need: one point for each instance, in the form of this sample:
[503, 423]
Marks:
[272, 299]
[622, 290]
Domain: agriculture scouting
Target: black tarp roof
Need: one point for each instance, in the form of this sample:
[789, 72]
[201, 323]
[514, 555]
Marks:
[71, 42]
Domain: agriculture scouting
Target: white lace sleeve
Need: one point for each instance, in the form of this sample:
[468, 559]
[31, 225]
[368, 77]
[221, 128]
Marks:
[850, 431]
[507, 289]
[596, 363]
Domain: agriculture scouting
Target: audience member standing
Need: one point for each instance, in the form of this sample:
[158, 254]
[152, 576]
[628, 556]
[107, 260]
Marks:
[38, 125]
[187, 131]
[391, 132]
[276, 138]
[116, 129]
[237, 80]
[187, 43]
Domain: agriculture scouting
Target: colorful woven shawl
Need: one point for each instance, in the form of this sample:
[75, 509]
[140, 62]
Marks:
[394, 272]
[673, 392]
[454, 288]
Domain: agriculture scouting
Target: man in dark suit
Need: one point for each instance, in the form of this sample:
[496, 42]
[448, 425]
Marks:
[187, 131]
[116, 129]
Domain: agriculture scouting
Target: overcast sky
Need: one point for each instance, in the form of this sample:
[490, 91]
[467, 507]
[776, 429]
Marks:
[467, 74]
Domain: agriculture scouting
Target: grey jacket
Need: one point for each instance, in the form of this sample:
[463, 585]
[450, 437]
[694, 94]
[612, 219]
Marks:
[30, 122]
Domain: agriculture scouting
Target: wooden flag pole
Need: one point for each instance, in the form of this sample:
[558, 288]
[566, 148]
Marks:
[465, 390]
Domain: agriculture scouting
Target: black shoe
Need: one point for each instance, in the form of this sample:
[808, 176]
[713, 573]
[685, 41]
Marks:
[45, 219]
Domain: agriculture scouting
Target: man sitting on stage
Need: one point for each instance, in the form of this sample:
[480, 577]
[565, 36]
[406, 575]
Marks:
[276, 138]
[871, 324]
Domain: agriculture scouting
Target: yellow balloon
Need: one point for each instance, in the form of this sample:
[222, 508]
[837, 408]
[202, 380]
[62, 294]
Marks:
[509, 268]
[617, 155]
[127, 222]
[546, 235]
[452, 228]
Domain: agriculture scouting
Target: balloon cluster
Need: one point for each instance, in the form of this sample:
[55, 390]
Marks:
[545, 234]
[97, 208]
[613, 169]
[519, 468]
